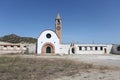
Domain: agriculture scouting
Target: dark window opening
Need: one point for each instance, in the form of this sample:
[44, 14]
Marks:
[58, 21]
[18, 46]
[85, 48]
[12, 46]
[5, 46]
[118, 48]
[91, 48]
[80, 48]
[96, 48]
[101, 48]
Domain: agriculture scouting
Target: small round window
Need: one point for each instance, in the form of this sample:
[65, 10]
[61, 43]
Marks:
[48, 35]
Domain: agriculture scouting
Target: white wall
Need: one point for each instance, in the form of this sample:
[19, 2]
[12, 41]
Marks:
[93, 51]
[109, 48]
[31, 48]
[66, 49]
[42, 39]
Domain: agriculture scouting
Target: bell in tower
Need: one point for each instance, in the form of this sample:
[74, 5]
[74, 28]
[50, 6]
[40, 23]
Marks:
[58, 27]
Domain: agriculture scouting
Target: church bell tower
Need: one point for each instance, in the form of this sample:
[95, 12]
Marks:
[58, 27]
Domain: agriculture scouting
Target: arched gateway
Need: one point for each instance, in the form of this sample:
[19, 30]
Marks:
[48, 48]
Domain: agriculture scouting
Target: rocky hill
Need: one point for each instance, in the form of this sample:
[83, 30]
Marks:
[12, 38]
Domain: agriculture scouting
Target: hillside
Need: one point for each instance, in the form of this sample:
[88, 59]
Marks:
[12, 38]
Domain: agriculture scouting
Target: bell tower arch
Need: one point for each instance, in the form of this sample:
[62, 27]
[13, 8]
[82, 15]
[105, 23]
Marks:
[58, 27]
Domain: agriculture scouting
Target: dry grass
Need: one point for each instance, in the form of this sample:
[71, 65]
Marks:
[17, 68]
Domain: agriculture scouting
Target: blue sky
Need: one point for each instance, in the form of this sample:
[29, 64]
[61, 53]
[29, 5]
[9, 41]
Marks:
[84, 21]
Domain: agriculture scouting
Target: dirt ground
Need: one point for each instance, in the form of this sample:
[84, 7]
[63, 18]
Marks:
[109, 67]
[111, 61]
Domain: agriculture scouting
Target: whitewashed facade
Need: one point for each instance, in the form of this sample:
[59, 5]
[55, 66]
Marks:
[85, 49]
[48, 39]
[50, 42]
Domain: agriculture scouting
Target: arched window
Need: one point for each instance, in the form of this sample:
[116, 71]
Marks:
[118, 48]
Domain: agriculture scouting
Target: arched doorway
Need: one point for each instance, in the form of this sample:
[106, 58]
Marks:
[48, 48]
[105, 50]
[73, 50]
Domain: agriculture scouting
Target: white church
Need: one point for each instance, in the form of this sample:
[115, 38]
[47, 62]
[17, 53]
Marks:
[50, 42]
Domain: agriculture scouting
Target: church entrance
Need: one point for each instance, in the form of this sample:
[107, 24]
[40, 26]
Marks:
[48, 48]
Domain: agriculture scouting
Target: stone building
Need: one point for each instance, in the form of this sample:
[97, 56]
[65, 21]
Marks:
[12, 48]
[27, 48]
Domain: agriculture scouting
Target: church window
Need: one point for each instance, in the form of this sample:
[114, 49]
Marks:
[58, 27]
[58, 21]
[118, 48]
[48, 35]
